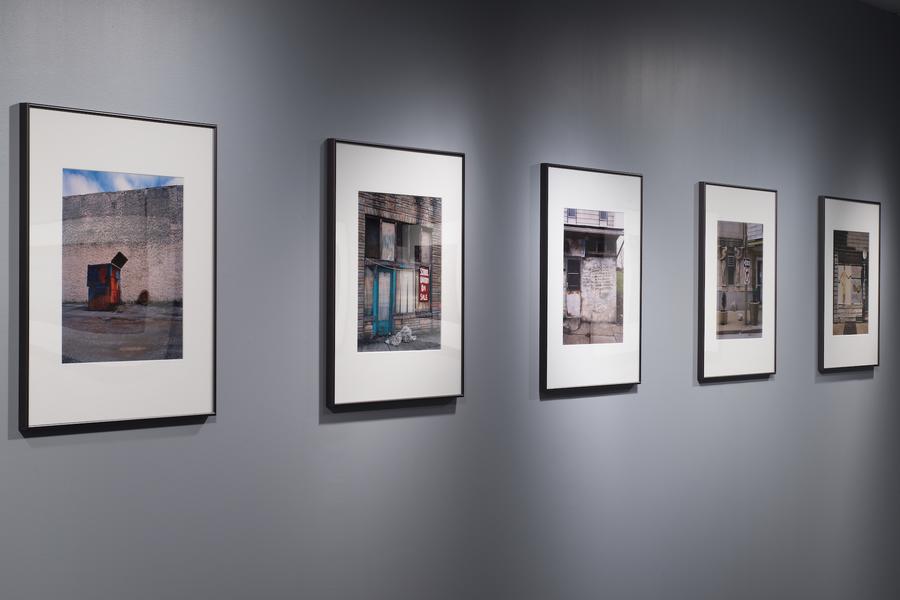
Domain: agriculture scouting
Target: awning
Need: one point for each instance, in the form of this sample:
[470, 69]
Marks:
[592, 230]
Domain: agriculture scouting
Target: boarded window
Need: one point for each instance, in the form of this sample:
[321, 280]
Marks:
[574, 246]
[373, 238]
[367, 299]
[388, 240]
[423, 248]
[407, 288]
[573, 275]
[406, 241]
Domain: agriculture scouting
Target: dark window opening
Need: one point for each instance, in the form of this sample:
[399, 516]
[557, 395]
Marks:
[730, 270]
[373, 238]
[573, 275]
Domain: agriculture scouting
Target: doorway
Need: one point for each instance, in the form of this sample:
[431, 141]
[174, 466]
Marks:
[383, 309]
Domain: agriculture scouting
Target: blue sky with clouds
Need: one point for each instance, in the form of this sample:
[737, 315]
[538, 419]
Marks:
[78, 181]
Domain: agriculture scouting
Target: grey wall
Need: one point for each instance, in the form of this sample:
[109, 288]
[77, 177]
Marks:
[786, 488]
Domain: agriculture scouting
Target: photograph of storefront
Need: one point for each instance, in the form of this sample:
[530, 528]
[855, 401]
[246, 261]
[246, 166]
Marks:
[740, 280]
[594, 268]
[399, 277]
[851, 283]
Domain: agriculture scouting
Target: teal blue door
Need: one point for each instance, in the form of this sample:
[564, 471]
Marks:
[383, 307]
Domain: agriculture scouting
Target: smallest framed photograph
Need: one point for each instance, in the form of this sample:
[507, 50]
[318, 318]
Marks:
[849, 283]
[736, 337]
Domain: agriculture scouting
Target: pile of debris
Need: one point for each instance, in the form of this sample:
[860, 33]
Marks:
[405, 335]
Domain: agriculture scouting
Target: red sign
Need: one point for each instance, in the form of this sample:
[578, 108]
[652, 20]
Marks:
[424, 284]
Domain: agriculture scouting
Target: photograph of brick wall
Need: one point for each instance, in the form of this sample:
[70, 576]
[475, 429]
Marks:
[399, 272]
[594, 275]
[739, 280]
[851, 283]
[122, 255]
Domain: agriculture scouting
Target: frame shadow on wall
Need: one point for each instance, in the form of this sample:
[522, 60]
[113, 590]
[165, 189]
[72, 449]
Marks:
[12, 288]
[368, 411]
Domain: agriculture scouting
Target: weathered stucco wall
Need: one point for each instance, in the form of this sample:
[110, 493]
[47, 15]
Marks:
[145, 225]
[598, 289]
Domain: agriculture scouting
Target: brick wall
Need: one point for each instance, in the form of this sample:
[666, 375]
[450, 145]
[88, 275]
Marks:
[146, 225]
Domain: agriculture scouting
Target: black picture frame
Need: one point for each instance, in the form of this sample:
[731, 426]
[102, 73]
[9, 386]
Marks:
[600, 389]
[702, 378]
[331, 145]
[25, 428]
[821, 289]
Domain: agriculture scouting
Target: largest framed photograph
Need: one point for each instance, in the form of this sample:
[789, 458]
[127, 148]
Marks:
[395, 275]
[117, 270]
[591, 224]
[849, 283]
[736, 321]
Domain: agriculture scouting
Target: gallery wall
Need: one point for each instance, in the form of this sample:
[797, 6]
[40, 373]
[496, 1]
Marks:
[785, 488]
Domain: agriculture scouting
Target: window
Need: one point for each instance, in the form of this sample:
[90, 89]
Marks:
[373, 238]
[423, 247]
[729, 269]
[407, 292]
[408, 242]
[573, 275]
[388, 240]
[601, 245]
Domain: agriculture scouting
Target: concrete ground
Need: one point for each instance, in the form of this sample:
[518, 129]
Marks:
[590, 332]
[850, 328]
[131, 332]
[424, 341]
[735, 328]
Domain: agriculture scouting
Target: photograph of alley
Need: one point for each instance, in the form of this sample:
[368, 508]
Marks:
[740, 280]
[851, 283]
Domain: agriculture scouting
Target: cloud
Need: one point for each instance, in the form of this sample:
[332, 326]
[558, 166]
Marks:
[76, 184]
[77, 181]
[123, 181]
[130, 181]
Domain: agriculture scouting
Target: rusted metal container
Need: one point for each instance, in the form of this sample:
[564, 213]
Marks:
[104, 283]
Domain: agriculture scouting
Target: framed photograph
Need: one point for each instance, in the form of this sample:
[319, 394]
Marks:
[591, 257]
[395, 275]
[117, 270]
[736, 337]
[849, 283]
